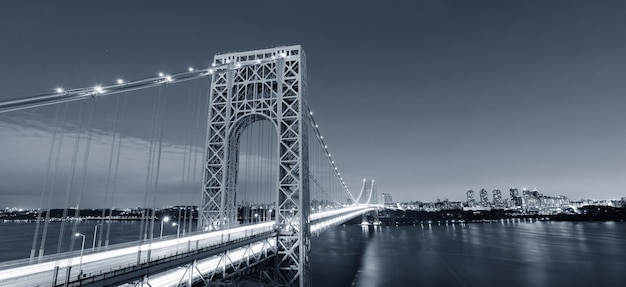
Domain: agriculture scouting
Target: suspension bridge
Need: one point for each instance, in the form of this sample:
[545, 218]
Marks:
[268, 183]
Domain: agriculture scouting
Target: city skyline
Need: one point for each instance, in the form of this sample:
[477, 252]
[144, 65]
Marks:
[429, 98]
[384, 198]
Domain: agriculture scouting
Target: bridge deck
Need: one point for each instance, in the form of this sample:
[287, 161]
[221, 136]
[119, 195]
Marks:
[124, 263]
[146, 254]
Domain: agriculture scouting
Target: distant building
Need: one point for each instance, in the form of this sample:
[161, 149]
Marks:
[516, 200]
[386, 198]
[530, 200]
[471, 201]
[497, 198]
[484, 197]
[534, 202]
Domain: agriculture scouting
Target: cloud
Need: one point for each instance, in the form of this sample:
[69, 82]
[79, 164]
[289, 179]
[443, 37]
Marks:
[25, 150]
[26, 147]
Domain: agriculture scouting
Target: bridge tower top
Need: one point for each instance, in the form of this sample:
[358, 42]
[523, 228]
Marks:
[257, 56]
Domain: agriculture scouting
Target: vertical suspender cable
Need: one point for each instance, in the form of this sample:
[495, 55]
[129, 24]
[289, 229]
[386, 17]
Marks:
[262, 163]
[271, 164]
[107, 190]
[268, 168]
[80, 193]
[70, 182]
[45, 183]
[191, 167]
[191, 175]
[256, 169]
[115, 171]
[186, 146]
[52, 184]
[199, 169]
[243, 173]
[143, 233]
[162, 93]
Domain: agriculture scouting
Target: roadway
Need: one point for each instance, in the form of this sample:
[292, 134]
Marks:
[168, 253]
[95, 264]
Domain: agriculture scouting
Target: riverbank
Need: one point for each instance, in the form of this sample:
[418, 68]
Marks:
[412, 217]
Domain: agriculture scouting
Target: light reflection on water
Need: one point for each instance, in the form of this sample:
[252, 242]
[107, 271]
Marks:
[487, 254]
[482, 254]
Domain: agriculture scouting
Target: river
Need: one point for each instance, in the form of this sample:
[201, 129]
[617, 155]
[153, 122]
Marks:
[478, 254]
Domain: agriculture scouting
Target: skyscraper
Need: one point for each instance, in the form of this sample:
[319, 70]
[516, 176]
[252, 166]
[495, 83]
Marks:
[516, 200]
[484, 197]
[497, 198]
[470, 198]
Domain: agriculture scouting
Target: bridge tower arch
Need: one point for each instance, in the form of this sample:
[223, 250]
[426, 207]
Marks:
[261, 85]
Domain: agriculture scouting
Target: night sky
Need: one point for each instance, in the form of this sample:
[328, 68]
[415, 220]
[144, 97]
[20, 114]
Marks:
[430, 98]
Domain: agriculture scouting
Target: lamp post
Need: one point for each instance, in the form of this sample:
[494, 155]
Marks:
[95, 235]
[256, 217]
[165, 219]
[82, 247]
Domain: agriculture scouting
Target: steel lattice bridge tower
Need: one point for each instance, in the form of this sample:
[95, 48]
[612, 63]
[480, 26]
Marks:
[246, 88]
[266, 85]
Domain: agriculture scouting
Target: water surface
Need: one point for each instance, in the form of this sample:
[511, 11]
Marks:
[484, 254]
[480, 254]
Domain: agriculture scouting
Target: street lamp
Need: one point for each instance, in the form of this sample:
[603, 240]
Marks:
[95, 234]
[177, 228]
[82, 247]
[256, 217]
[165, 219]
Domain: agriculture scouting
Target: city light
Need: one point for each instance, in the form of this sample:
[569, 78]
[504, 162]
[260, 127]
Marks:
[190, 69]
[120, 81]
[59, 90]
